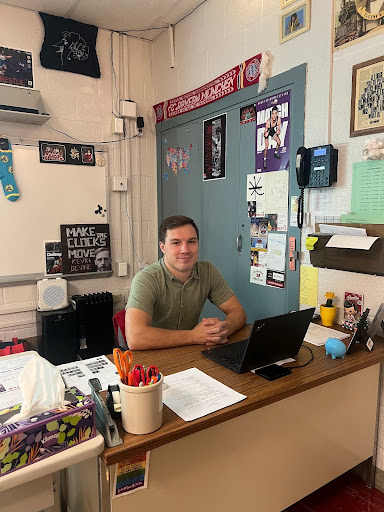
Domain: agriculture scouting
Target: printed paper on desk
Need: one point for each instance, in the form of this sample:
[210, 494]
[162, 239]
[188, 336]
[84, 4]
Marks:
[192, 394]
[318, 334]
[78, 373]
[351, 242]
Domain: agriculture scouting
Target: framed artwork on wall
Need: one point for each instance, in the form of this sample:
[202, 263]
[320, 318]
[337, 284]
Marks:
[285, 3]
[367, 101]
[295, 21]
[356, 20]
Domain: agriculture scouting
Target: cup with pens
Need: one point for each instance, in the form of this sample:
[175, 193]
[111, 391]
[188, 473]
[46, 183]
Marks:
[141, 394]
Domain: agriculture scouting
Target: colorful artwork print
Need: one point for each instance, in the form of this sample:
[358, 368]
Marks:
[214, 148]
[16, 67]
[73, 154]
[247, 114]
[356, 20]
[178, 159]
[272, 133]
[53, 152]
[36, 438]
[251, 208]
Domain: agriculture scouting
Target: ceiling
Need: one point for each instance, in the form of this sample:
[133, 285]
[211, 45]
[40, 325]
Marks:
[119, 15]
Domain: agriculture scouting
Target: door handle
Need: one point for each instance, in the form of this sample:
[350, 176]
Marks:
[239, 243]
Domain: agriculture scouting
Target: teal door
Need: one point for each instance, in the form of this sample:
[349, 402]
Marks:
[219, 207]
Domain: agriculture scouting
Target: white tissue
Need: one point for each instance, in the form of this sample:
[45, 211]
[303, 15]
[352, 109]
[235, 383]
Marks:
[42, 389]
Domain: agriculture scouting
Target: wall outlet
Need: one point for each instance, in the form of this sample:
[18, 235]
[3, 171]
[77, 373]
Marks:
[116, 297]
[119, 183]
[117, 125]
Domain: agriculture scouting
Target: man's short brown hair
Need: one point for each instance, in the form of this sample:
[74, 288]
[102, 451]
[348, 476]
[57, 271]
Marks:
[176, 221]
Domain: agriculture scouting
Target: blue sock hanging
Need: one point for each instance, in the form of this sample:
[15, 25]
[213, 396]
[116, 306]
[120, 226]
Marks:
[7, 179]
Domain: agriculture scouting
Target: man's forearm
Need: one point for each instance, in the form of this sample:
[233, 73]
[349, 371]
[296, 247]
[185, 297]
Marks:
[235, 320]
[149, 337]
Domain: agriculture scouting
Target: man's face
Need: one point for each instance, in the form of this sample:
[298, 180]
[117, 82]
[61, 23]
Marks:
[103, 261]
[274, 114]
[181, 250]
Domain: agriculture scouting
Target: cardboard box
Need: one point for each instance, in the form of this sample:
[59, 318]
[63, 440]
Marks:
[31, 440]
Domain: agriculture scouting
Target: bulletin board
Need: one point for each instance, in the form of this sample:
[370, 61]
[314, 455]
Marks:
[50, 195]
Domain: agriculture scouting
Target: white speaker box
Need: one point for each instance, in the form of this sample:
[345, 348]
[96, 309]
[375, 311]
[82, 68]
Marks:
[52, 294]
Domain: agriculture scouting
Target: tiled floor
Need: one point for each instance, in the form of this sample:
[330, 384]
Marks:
[347, 493]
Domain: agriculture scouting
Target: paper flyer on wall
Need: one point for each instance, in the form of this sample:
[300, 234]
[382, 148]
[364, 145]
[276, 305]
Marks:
[256, 195]
[294, 209]
[272, 133]
[275, 279]
[276, 192]
[277, 243]
[131, 475]
[258, 275]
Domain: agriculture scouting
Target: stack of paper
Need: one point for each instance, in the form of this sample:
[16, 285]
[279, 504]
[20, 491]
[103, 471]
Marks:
[192, 394]
[318, 335]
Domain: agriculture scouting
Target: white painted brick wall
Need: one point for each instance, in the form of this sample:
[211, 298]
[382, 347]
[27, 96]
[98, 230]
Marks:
[81, 106]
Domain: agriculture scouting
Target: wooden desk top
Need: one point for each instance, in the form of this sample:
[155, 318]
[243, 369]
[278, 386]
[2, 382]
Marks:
[259, 392]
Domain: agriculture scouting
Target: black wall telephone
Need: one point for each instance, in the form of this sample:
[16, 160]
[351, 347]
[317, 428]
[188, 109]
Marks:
[315, 167]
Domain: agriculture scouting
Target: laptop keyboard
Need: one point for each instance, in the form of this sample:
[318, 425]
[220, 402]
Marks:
[234, 359]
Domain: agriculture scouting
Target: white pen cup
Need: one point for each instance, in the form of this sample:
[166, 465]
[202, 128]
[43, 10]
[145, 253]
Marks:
[142, 407]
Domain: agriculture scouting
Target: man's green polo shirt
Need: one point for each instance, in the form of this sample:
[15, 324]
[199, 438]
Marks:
[172, 304]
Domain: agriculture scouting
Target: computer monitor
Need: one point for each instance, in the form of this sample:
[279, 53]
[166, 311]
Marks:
[360, 334]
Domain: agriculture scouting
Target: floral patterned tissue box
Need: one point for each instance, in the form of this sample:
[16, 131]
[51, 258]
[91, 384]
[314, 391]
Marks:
[31, 440]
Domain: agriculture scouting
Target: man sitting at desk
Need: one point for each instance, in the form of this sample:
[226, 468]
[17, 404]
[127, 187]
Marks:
[167, 297]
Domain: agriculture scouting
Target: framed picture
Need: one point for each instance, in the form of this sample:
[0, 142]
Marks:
[377, 325]
[367, 101]
[285, 3]
[295, 21]
[355, 21]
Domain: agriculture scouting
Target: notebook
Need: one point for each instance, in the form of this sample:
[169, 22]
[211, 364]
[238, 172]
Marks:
[271, 340]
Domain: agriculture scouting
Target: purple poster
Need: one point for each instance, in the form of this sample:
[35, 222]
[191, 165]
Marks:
[272, 133]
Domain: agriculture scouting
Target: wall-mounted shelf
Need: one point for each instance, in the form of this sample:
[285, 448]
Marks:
[351, 260]
[20, 105]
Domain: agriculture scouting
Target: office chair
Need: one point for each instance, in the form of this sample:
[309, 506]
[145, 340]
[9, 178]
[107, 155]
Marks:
[119, 325]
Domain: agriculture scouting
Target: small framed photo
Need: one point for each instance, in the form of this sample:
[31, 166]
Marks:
[367, 107]
[377, 325]
[285, 3]
[295, 21]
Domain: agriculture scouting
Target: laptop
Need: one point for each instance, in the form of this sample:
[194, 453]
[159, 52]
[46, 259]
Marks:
[271, 340]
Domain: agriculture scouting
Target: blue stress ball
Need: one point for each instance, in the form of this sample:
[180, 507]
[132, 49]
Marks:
[335, 348]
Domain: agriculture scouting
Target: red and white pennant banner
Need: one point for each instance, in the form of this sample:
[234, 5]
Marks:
[247, 73]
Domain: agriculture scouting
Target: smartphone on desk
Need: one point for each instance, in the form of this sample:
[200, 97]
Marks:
[273, 372]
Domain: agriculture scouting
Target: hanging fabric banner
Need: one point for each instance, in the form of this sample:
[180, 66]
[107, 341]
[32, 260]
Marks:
[252, 71]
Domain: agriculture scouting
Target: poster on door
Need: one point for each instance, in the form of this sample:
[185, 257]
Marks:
[214, 147]
[272, 133]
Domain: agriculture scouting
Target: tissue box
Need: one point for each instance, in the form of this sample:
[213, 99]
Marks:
[31, 440]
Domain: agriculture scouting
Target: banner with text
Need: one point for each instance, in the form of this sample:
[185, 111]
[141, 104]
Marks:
[245, 74]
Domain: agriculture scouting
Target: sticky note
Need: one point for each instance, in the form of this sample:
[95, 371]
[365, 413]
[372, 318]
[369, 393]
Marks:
[310, 242]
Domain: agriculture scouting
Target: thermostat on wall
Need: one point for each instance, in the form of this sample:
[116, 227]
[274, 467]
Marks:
[128, 109]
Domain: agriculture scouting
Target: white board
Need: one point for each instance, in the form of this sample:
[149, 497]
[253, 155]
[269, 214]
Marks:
[50, 195]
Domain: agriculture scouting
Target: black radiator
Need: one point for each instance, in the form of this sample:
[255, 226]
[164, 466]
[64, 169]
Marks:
[94, 327]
